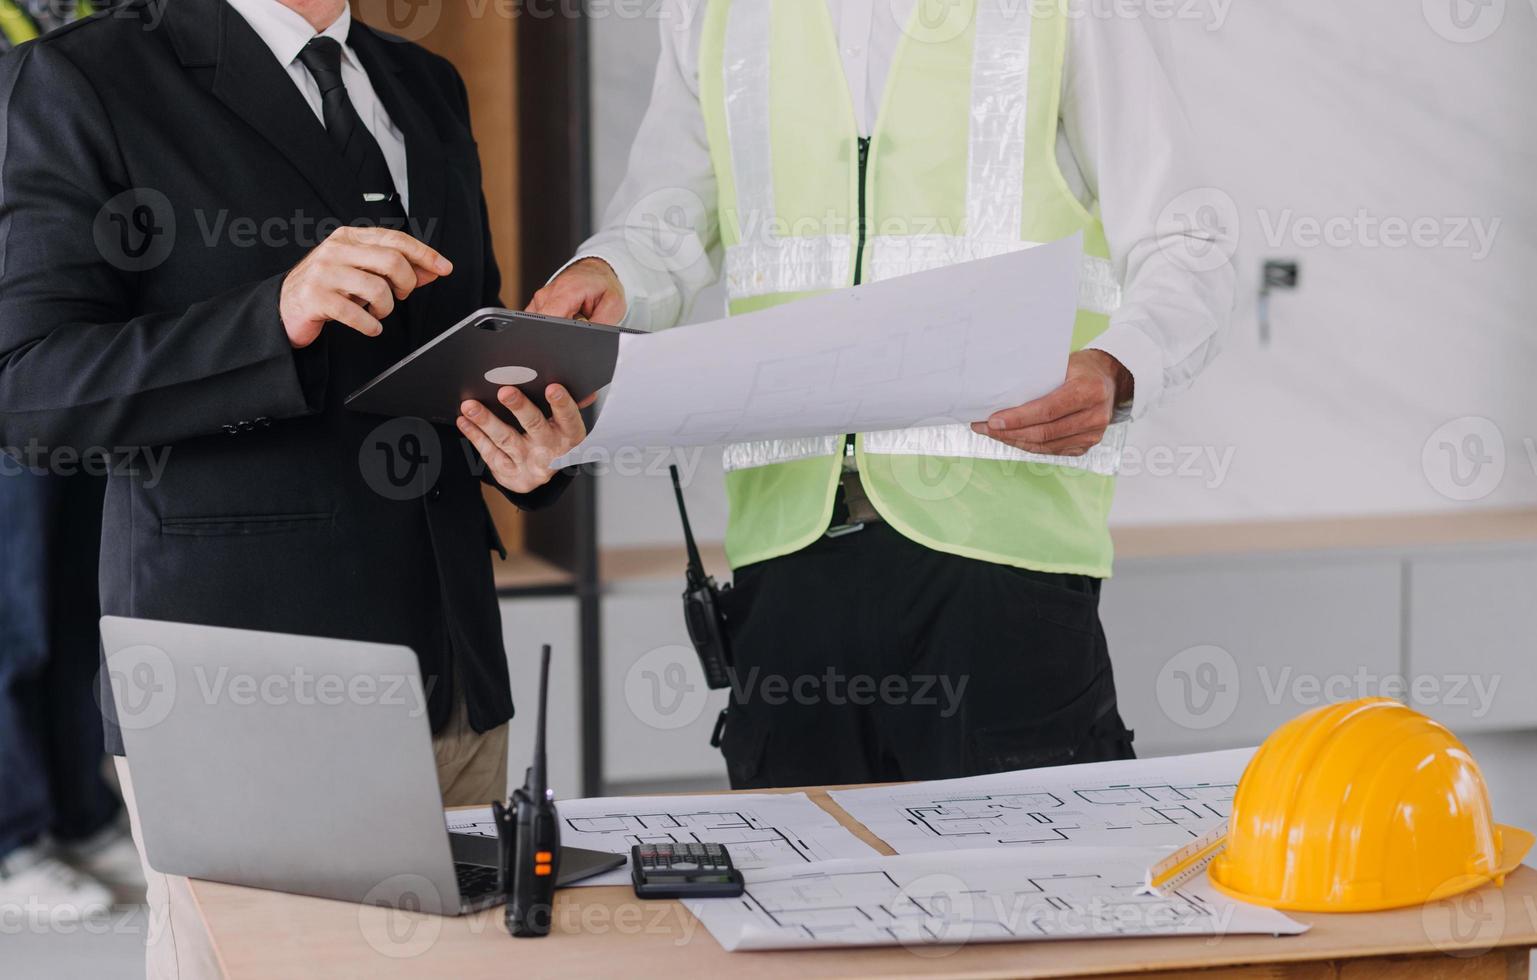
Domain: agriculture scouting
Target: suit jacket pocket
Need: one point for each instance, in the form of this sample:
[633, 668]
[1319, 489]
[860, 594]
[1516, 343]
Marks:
[245, 524]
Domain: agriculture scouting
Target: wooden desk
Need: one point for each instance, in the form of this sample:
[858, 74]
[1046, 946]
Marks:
[606, 932]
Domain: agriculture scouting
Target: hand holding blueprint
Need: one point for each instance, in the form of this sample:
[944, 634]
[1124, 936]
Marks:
[970, 897]
[947, 346]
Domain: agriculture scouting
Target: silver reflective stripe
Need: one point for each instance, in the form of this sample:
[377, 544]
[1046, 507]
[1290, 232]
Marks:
[788, 265]
[745, 455]
[1099, 291]
[746, 91]
[929, 440]
[1000, 86]
[959, 440]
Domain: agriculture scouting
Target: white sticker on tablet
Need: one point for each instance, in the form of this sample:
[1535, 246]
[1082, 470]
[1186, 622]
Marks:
[512, 374]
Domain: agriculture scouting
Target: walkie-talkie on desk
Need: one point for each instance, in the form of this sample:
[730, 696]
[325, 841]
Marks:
[530, 836]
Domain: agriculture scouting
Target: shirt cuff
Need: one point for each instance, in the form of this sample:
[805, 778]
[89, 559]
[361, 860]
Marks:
[1142, 358]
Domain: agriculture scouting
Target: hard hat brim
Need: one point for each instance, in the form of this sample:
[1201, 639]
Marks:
[1514, 845]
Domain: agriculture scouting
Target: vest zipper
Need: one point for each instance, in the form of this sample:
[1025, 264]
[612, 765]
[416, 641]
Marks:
[859, 247]
[859, 256]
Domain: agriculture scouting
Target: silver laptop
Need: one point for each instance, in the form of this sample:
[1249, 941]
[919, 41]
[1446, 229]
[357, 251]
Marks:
[296, 764]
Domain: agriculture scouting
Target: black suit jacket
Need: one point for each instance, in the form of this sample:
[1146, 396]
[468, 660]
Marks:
[159, 175]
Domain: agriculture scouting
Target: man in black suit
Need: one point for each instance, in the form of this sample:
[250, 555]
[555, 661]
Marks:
[217, 220]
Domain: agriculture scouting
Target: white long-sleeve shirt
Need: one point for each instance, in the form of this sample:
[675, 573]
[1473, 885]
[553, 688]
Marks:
[1124, 142]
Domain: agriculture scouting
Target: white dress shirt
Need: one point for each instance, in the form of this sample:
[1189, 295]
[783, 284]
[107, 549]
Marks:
[1124, 143]
[286, 33]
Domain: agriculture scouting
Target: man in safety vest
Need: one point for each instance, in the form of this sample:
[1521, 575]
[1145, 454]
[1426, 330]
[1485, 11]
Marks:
[922, 603]
[23, 20]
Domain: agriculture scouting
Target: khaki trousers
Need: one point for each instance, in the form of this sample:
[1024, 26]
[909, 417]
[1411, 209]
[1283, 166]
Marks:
[472, 770]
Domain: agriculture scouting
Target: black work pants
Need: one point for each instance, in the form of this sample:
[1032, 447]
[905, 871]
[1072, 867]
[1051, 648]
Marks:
[870, 658]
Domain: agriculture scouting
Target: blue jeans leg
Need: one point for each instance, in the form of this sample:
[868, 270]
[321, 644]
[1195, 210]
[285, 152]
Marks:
[50, 724]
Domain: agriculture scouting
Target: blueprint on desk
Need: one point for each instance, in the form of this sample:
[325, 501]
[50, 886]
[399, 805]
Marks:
[1158, 803]
[759, 829]
[1049, 892]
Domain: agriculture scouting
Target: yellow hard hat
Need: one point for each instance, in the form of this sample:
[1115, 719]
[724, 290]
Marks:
[1362, 806]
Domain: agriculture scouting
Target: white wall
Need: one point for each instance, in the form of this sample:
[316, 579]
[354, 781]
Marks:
[1305, 111]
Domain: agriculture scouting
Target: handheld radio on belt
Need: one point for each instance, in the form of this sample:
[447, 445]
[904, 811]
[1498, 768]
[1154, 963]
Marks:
[701, 606]
[530, 837]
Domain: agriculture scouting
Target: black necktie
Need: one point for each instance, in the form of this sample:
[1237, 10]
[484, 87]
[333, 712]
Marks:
[323, 57]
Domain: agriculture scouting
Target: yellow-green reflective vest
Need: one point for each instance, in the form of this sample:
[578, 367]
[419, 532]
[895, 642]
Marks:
[18, 24]
[961, 164]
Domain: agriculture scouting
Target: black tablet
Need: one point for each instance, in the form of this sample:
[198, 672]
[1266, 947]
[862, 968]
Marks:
[486, 350]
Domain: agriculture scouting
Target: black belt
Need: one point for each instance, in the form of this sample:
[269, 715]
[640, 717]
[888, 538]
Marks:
[852, 508]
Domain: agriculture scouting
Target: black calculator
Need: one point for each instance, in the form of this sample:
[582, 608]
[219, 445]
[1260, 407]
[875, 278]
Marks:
[684, 871]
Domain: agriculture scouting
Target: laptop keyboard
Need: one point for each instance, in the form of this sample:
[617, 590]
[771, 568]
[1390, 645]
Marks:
[475, 881]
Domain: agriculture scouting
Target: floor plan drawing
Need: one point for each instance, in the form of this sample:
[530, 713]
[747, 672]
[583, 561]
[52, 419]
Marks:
[1136, 803]
[760, 830]
[972, 896]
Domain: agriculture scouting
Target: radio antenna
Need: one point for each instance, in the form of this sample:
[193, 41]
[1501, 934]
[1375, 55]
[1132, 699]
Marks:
[695, 563]
[536, 772]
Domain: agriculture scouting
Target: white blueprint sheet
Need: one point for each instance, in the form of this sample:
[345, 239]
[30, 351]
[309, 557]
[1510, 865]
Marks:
[1157, 803]
[947, 346]
[972, 896]
[759, 829]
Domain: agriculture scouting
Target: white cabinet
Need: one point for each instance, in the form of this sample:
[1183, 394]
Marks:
[1473, 640]
[1217, 654]
[657, 712]
[527, 624]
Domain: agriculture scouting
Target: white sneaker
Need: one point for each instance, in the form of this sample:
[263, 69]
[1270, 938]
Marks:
[110, 857]
[34, 884]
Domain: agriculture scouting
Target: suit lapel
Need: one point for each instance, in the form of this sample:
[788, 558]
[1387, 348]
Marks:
[247, 79]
